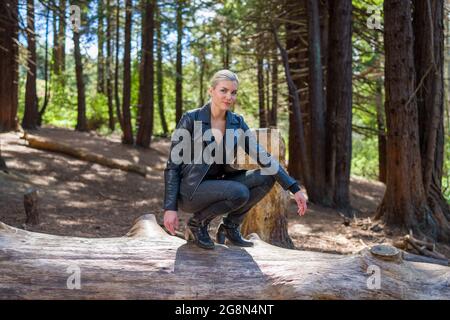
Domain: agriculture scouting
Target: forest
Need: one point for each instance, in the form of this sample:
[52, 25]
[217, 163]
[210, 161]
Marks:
[92, 90]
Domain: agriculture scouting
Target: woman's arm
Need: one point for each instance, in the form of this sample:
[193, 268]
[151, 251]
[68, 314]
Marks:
[252, 148]
[172, 179]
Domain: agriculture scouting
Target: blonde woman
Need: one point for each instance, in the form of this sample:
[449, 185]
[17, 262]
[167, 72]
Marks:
[209, 189]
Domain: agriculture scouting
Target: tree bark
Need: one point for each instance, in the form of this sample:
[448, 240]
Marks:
[428, 27]
[126, 114]
[116, 68]
[339, 102]
[100, 42]
[9, 27]
[261, 107]
[61, 48]
[273, 111]
[381, 132]
[159, 71]
[31, 115]
[46, 78]
[146, 112]
[81, 97]
[293, 41]
[179, 63]
[405, 200]
[317, 189]
[155, 265]
[108, 66]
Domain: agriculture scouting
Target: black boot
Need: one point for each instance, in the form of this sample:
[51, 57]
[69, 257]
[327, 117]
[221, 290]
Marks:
[231, 232]
[198, 231]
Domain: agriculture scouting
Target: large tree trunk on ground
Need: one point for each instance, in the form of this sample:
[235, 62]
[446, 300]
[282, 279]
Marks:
[9, 26]
[50, 145]
[155, 265]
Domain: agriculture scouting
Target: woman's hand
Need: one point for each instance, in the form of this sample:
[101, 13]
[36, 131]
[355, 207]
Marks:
[301, 203]
[171, 221]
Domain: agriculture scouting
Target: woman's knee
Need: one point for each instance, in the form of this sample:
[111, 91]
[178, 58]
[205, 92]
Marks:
[239, 194]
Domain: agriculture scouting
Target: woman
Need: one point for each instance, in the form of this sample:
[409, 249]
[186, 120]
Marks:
[216, 189]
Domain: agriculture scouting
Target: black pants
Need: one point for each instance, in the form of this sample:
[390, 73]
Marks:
[234, 195]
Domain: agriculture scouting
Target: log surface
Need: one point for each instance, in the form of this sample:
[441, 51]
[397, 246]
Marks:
[147, 263]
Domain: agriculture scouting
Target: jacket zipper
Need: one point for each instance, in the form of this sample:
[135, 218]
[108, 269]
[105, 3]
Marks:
[192, 194]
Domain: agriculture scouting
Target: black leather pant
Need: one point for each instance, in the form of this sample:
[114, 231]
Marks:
[233, 195]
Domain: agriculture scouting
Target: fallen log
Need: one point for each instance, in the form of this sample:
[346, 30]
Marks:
[50, 145]
[148, 263]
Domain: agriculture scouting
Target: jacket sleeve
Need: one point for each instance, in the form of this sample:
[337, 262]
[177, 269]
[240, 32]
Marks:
[252, 147]
[172, 171]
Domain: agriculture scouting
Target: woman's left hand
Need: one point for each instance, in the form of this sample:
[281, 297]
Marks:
[301, 203]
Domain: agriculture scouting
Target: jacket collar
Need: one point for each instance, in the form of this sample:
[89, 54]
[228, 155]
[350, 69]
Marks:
[205, 116]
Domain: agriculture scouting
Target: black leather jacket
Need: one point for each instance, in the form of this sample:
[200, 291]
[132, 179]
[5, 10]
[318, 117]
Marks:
[185, 177]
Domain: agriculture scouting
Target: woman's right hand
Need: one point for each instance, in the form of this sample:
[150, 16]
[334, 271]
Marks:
[171, 221]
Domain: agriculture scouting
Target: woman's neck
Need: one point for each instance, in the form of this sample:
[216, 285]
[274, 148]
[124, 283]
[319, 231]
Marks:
[217, 114]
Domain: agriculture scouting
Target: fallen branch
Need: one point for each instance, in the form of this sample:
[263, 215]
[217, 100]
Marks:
[50, 145]
[148, 263]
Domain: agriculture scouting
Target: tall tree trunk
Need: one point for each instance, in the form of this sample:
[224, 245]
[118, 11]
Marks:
[46, 90]
[100, 42]
[317, 191]
[55, 62]
[428, 27]
[81, 97]
[61, 51]
[30, 117]
[293, 9]
[116, 68]
[261, 107]
[159, 71]
[405, 200]
[381, 132]
[273, 111]
[179, 63]
[144, 134]
[127, 129]
[339, 99]
[9, 26]
[108, 65]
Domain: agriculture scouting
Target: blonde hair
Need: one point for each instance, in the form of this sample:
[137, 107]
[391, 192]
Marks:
[223, 75]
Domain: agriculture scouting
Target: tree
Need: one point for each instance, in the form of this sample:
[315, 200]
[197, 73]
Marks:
[179, 63]
[108, 65]
[159, 70]
[339, 103]
[60, 41]
[31, 115]
[317, 189]
[81, 96]
[100, 42]
[116, 67]
[126, 96]
[9, 27]
[145, 119]
[407, 202]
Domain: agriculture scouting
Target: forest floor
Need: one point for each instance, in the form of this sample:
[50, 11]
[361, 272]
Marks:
[84, 199]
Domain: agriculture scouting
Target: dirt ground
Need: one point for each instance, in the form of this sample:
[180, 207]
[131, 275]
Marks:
[79, 198]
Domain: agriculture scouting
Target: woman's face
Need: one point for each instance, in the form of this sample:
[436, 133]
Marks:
[223, 95]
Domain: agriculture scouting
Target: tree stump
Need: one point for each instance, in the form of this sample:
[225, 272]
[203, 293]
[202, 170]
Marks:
[268, 217]
[30, 202]
[148, 263]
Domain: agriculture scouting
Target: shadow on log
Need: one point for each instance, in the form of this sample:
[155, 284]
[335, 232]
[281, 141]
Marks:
[147, 263]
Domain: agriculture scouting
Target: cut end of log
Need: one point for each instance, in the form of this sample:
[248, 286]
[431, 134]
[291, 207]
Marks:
[146, 226]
